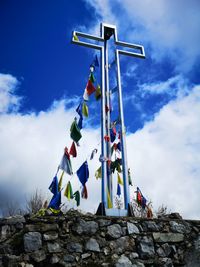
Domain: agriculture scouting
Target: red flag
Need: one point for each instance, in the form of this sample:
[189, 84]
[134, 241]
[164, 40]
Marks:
[72, 150]
[90, 88]
[84, 192]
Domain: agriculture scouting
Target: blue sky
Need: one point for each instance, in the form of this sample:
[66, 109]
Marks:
[43, 76]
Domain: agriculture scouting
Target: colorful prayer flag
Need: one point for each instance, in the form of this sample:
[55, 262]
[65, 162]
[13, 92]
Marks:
[91, 77]
[109, 200]
[54, 186]
[85, 109]
[75, 132]
[84, 192]
[72, 150]
[60, 181]
[86, 96]
[55, 201]
[94, 151]
[119, 179]
[75, 37]
[98, 173]
[68, 191]
[83, 173]
[65, 165]
[77, 198]
[118, 190]
[90, 88]
[98, 92]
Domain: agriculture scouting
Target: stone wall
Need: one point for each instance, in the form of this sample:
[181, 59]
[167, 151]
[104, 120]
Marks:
[85, 240]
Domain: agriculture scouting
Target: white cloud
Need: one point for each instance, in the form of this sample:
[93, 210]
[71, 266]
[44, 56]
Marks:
[169, 27]
[174, 86]
[165, 156]
[8, 100]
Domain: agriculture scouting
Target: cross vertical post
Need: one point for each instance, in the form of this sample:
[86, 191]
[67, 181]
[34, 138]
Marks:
[107, 31]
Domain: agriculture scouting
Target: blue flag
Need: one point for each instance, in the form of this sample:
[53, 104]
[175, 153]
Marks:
[83, 173]
[118, 190]
[55, 201]
[54, 186]
[112, 135]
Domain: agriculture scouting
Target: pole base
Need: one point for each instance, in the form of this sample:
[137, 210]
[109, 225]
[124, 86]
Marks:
[101, 210]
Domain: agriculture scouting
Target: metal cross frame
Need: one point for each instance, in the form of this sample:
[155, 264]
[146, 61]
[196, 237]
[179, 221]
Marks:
[107, 31]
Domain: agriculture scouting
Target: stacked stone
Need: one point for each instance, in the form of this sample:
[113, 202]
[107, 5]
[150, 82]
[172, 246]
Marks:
[86, 240]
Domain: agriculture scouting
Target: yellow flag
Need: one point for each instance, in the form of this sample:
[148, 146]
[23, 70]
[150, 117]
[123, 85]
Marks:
[98, 173]
[109, 200]
[85, 109]
[75, 37]
[60, 181]
[119, 179]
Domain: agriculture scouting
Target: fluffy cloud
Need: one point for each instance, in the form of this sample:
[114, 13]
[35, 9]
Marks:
[8, 100]
[168, 28]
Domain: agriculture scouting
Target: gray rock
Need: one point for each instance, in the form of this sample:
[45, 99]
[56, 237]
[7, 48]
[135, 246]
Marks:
[123, 261]
[41, 227]
[85, 256]
[133, 255]
[160, 252]
[123, 244]
[68, 258]
[167, 262]
[168, 237]
[54, 259]
[11, 260]
[146, 247]
[5, 231]
[85, 227]
[152, 226]
[179, 227]
[92, 245]
[50, 236]
[14, 220]
[103, 222]
[32, 241]
[167, 249]
[74, 247]
[132, 228]
[38, 255]
[54, 247]
[114, 231]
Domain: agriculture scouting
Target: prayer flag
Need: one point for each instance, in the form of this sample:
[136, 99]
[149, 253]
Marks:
[118, 190]
[119, 168]
[54, 186]
[119, 146]
[129, 177]
[60, 181]
[75, 37]
[84, 192]
[90, 88]
[75, 132]
[119, 179]
[79, 110]
[112, 135]
[139, 196]
[65, 165]
[68, 191]
[91, 77]
[98, 173]
[55, 201]
[98, 92]
[83, 173]
[72, 150]
[80, 123]
[109, 200]
[85, 95]
[106, 138]
[77, 198]
[85, 109]
[144, 202]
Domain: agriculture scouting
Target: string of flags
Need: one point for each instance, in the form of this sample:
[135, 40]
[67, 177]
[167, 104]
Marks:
[114, 163]
[75, 133]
